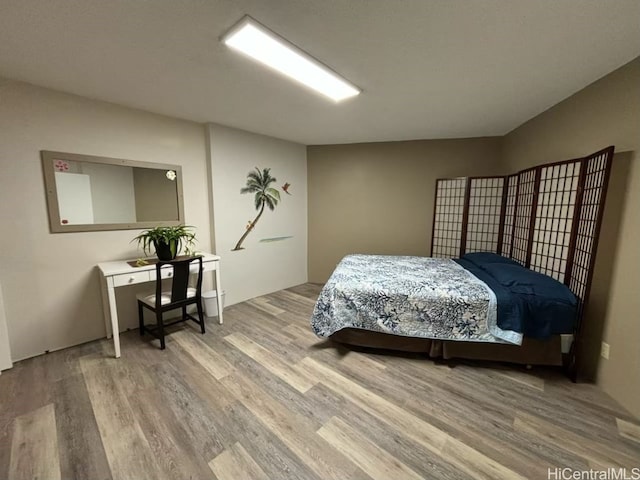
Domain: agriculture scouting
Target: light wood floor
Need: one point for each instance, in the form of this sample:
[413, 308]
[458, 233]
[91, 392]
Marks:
[261, 397]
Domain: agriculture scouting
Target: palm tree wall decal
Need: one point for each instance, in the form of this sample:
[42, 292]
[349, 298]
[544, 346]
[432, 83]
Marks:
[258, 183]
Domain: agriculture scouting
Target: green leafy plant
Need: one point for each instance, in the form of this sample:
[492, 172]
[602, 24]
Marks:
[259, 182]
[167, 241]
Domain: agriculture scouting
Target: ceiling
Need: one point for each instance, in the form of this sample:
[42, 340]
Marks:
[427, 68]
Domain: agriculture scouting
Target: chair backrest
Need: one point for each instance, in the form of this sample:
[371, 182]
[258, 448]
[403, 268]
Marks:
[180, 278]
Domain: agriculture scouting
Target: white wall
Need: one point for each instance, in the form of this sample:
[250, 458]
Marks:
[261, 267]
[50, 283]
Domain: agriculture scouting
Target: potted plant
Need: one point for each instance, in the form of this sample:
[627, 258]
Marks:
[167, 241]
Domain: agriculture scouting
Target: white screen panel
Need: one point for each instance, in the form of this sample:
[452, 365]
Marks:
[554, 218]
[522, 217]
[587, 229]
[449, 209]
[483, 221]
[509, 216]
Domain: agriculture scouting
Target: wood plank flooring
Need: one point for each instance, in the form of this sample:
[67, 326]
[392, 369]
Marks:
[261, 397]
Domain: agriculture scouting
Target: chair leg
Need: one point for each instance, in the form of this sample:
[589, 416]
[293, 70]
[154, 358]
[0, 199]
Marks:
[160, 328]
[200, 315]
[140, 318]
[184, 313]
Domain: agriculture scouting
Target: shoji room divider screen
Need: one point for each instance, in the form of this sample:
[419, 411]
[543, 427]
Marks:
[547, 218]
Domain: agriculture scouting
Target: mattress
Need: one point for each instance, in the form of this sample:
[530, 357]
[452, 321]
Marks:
[409, 296]
[482, 297]
[529, 302]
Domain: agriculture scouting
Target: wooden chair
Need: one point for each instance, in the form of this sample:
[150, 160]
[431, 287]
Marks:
[180, 296]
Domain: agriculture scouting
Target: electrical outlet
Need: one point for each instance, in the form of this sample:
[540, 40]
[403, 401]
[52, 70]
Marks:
[604, 351]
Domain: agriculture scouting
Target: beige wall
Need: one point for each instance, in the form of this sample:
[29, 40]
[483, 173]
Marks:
[155, 195]
[49, 281]
[378, 197]
[606, 112]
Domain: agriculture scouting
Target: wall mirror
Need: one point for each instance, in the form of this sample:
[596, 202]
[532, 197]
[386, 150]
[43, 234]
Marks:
[89, 193]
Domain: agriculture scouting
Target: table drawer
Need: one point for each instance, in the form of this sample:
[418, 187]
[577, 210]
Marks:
[165, 272]
[130, 278]
[209, 266]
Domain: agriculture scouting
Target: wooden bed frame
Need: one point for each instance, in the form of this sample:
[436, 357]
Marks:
[547, 218]
[531, 352]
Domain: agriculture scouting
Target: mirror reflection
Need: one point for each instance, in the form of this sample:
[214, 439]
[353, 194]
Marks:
[95, 193]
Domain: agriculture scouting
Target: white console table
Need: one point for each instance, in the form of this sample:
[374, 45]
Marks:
[120, 273]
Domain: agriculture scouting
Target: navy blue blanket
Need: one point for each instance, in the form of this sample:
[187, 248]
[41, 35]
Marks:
[529, 302]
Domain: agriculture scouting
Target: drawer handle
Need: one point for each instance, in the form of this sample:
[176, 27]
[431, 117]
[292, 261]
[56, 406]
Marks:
[132, 279]
[169, 274]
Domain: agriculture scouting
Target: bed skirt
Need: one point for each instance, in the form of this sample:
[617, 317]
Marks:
[531, 352]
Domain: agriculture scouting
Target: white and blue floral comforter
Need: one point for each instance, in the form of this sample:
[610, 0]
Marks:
[409, 296]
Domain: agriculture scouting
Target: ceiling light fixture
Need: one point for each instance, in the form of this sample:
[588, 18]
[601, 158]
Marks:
[268, 48]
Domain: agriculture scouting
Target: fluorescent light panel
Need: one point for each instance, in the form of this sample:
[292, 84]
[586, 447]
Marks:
[258, 42]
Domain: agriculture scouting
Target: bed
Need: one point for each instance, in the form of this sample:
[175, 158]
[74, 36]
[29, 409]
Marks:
[425, 304]
[510, 277]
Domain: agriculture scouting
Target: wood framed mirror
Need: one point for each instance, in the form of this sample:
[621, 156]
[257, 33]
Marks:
[90, 193]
